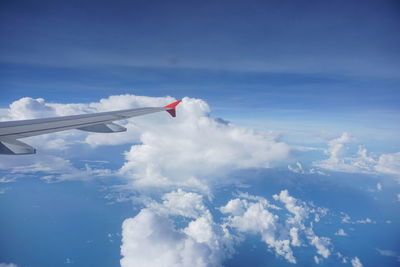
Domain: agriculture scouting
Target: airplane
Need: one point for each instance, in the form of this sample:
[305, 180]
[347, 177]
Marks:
[11, 131]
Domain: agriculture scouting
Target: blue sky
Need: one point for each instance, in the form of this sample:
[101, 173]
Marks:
[336, 59]
[311, 54]
[309, 82]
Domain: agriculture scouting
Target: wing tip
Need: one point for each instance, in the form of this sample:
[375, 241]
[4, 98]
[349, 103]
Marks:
[170, 108]
[174, 104]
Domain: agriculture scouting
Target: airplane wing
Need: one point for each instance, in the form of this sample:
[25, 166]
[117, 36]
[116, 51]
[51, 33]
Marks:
[11, 131]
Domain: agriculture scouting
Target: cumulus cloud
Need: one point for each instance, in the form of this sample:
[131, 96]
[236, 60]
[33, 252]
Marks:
[294, 235]
[256, 215]
[8, 265]
[322, 244]
[355, 262]
[194, 150]
[179, 202]
[151, 239]
[298, 168]
[257, 219]
[347, 219]
[389, 164]
[341, 232]
[29, 108]
[342, 258]
[297, 208]
[364, 221]
[340, 159]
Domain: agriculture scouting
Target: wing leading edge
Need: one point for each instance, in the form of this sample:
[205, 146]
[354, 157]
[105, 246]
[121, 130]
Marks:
[101, 122]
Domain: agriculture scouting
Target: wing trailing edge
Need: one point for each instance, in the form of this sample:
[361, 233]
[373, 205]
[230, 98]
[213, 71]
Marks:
[15, 147]
[103, 128]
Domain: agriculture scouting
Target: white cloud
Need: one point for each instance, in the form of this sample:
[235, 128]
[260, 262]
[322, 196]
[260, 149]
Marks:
[29, 108]
[340, 160]
[336, 148]
[257, 219]
[317, 260]
[150, 239]
[181, 203]
[342, 258]
[389, 253]
[379, 187]
[196, 151]
[322, 244]
[49, 168]
[8, 265]
[355, 262]
[389, 164]
[250, 214]
[346, 219]
[298, 209]
[294, 235]
[298, 168]
[341, 232]
[364, 221]
[235, 207]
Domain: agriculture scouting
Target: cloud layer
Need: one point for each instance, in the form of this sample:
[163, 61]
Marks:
[182, 159]
[193, 150]
[200, 240]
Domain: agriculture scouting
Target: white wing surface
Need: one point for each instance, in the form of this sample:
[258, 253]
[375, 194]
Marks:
[102, 122]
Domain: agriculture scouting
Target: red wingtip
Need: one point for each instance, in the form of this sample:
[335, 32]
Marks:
[173, 105]
[171, 108]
